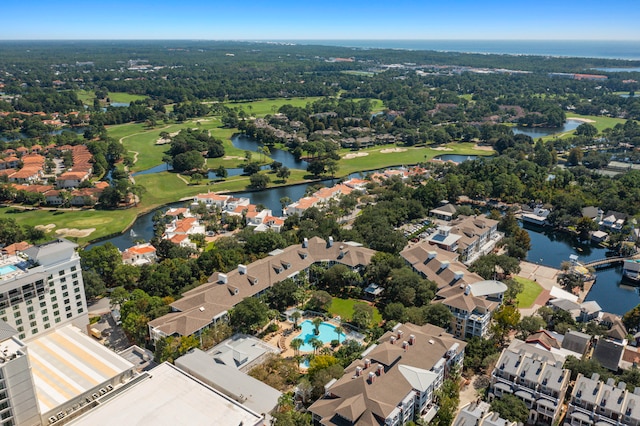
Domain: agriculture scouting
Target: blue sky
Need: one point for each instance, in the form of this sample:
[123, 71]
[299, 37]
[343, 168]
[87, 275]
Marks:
[321, 20]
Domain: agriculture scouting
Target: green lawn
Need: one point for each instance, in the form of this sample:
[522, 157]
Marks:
[344, 308]
[529, 294]
[87, 97]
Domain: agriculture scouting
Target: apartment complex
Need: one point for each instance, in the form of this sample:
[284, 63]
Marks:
[540, 381]
[596, 402]
[395, 380]
[470, 236]
[41, 288]
[210, 302]
[471, 299]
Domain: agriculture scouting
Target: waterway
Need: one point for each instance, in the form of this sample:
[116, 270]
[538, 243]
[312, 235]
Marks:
[551, 248]
[540, 132]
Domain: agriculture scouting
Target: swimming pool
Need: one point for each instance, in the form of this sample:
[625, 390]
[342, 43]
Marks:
[7, 269]
[327, 334]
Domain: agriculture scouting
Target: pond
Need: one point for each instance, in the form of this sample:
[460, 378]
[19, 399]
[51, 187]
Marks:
[287, 159]
[456, 158]
[551, 248]
[540, 132]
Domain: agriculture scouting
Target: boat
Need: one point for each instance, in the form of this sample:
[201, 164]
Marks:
[631, 271]
[132, 234]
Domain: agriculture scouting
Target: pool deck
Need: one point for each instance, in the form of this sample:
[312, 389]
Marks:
[282, 339]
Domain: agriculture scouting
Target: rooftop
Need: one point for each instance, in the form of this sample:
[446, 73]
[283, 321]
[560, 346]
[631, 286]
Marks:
[67, 363]
[169, 396]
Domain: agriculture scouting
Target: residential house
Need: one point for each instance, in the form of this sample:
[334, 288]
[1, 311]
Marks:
[140, 254]
[539, 381]
[300, 206]
[211, 199]
[209, 303]
[596, 402]
[394, 382]
[613, 220]
[537, 217]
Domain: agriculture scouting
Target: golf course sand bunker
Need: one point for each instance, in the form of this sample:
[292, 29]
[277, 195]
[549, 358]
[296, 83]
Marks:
[356, 155]
[390, 150]
[45, 228]
[73, 232]
[482, 147]
[442, 148]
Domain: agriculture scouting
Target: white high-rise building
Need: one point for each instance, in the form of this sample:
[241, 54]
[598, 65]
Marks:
[41, 288]
[18, 401]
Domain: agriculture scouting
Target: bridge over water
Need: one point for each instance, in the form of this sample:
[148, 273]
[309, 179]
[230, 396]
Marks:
[609, 261]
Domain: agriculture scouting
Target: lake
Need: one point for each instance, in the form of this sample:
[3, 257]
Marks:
[287, 159]
[540, 132]
[551, 248]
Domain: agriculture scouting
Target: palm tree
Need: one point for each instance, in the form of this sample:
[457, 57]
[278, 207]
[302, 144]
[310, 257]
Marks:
[338, 330]
[316, 343]
[316, 324]
[296, 344]
[295, 316]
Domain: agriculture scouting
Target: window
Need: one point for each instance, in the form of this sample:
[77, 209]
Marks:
[54, 298]
[64, 287]
[43, 304]
[76, 283]
[16, 307]
[69, 315]
[22, 336]
[32, 324]
[34, 331]
[63, 280]
[18, 321]
[16, 314]
[45, 319]
[74, 276]
[80, 310]
[30, 309]
[46, 326]
[57, 320]
[65, 294]
[44, 312]
[66, 301]
[79, 304]
[53, 291]
[56, 313]
[67, 308]
[29, 302]
[32, 316]
[61, 273]
[2, 312]
[73, 268]
[21, 328]
[77, 289]
[55, 306]
[78, 297]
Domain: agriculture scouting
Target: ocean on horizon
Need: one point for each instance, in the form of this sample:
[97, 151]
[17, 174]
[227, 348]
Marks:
[604, 49]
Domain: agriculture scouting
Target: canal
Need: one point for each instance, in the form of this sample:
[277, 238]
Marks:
[552, 248]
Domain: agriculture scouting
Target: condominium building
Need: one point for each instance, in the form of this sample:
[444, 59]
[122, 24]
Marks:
[539, 381]
[471, 299]
[395, 380]
[209, 303]
[41, 288]
[596, 402]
